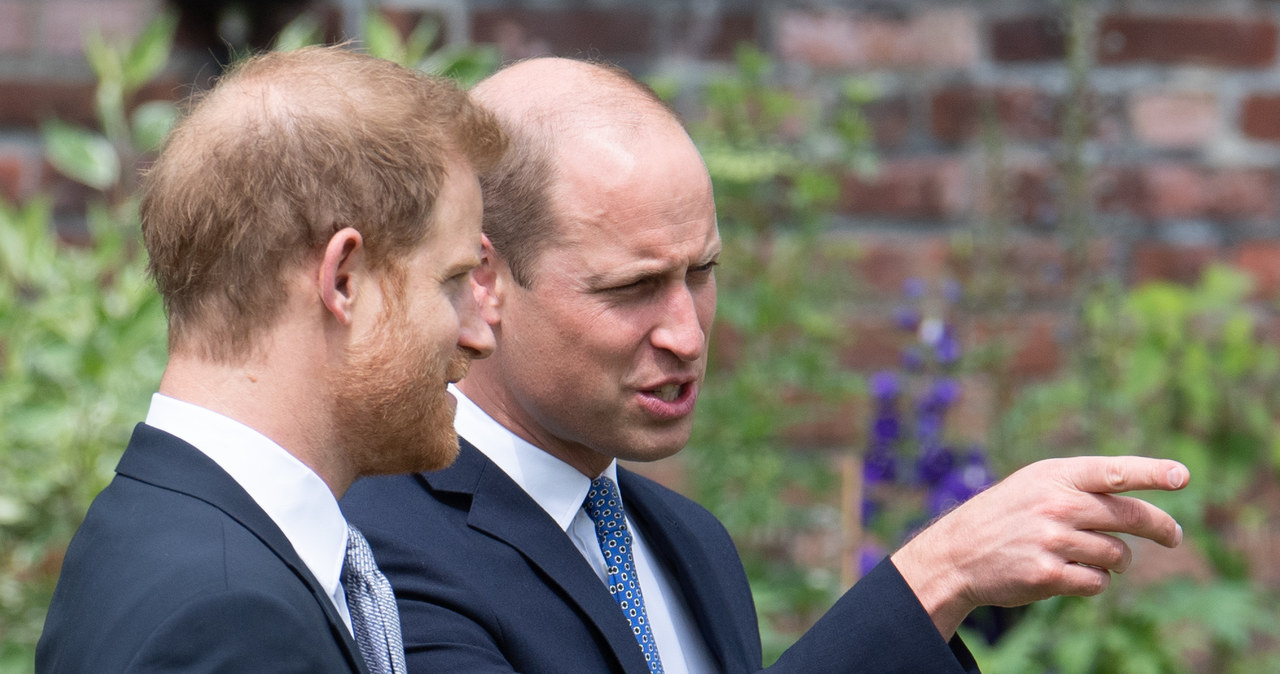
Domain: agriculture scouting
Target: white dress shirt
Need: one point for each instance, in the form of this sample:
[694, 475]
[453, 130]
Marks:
[291, 494]
[560, 490]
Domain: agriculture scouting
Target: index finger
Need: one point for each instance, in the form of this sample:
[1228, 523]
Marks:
[1115, 474]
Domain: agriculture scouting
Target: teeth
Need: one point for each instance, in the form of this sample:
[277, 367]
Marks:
[667, 393]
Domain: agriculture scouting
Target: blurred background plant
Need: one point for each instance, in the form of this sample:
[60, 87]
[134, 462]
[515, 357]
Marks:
[774, 157]
[83, 329]
[84, 336]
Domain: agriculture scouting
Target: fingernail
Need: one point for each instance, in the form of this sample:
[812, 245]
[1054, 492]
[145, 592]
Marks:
[1175, 478]
[1178, 541]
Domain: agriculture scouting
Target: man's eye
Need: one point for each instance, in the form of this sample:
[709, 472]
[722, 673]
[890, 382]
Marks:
[704, 268]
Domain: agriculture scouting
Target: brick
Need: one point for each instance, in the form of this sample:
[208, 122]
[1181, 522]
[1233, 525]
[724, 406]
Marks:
[20, 168]
[521, 33]
[875, 343]
[930, 187]
[1155, 261]
[732, 29]
[1028, 39]
[15, 26]
[1243, 193]
[1203, 40]
[1029, 269]
[1171, 191]
[885, 263]
[934, 38]
[1022, 113]
[65, 23]
[1031, 340]
[1175, 120]
[1260, 116]
[1261, 259]
[890, 119]
[27, 103]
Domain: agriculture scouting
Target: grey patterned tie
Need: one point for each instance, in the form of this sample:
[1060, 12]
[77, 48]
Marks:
[375, 621]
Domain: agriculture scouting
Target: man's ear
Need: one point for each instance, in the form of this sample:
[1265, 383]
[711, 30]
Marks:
[343, 257]
[489, 282]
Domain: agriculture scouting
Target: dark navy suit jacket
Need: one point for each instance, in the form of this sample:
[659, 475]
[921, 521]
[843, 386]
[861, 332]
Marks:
[488, 582]
[177, 569]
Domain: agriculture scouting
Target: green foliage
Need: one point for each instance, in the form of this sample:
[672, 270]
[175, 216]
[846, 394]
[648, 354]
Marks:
[83, 337]
[1184, 374]
[467, 64]
[774, 158]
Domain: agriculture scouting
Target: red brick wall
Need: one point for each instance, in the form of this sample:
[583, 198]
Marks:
[1183, 145]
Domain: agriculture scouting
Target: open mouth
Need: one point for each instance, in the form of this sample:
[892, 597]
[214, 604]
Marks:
[667, 393]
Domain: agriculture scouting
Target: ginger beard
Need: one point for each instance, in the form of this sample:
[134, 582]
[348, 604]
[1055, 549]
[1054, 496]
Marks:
[391, 410]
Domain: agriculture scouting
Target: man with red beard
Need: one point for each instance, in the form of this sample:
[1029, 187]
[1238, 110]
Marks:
[536, 552]
[312, 226]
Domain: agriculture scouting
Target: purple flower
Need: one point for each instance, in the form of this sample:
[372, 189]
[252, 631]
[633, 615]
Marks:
[913, 288]
[947, 348]
[941, 395]
[934, 464]
[879, 465]
[870, 508]
[960, 484]
[907, 318]
[885, 431]
[884, 386]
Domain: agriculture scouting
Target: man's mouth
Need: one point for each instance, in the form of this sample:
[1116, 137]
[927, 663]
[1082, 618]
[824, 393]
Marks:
[666, 393]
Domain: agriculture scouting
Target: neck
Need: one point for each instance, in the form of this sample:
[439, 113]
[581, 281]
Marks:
[264, 394]
[490, 396]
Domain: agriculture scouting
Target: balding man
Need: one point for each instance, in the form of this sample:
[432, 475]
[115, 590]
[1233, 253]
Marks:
[312, 225]
[535, 552]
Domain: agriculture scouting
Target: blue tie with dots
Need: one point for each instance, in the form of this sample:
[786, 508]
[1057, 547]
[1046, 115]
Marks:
[605, 510]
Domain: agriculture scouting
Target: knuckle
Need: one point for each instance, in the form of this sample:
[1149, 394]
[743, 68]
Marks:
[1115, 476]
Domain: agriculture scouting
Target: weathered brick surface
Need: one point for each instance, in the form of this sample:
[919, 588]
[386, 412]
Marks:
[1155, 261]
[26, 103]
[1261, 259]
[1260, 116]
[1175, 120]
[1028, 39]
[928, 187]
[65, 23]
[1021, 113]
[565, 32]
[1238, 42]
[15, 26]
[20, 170]
[936, 37]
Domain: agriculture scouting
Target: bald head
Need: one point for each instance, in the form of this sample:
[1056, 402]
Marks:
[559, 114]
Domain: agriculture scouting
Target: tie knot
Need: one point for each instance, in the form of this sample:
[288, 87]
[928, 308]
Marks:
[359, 558]
[602, 503]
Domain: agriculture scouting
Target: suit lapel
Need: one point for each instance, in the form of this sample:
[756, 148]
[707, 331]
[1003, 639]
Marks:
[165, 461]
[502, 509]
[684, 555]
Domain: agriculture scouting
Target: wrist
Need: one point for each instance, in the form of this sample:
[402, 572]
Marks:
[935, 585]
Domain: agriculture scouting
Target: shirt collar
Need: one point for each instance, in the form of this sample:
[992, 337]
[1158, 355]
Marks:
[554, 485]
[291, 494]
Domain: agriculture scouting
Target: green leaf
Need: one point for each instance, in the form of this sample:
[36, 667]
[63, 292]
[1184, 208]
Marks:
[381, 39]
[81, 155]
[149, 54]
[420, 41]
[151, 123]
[301, 32]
